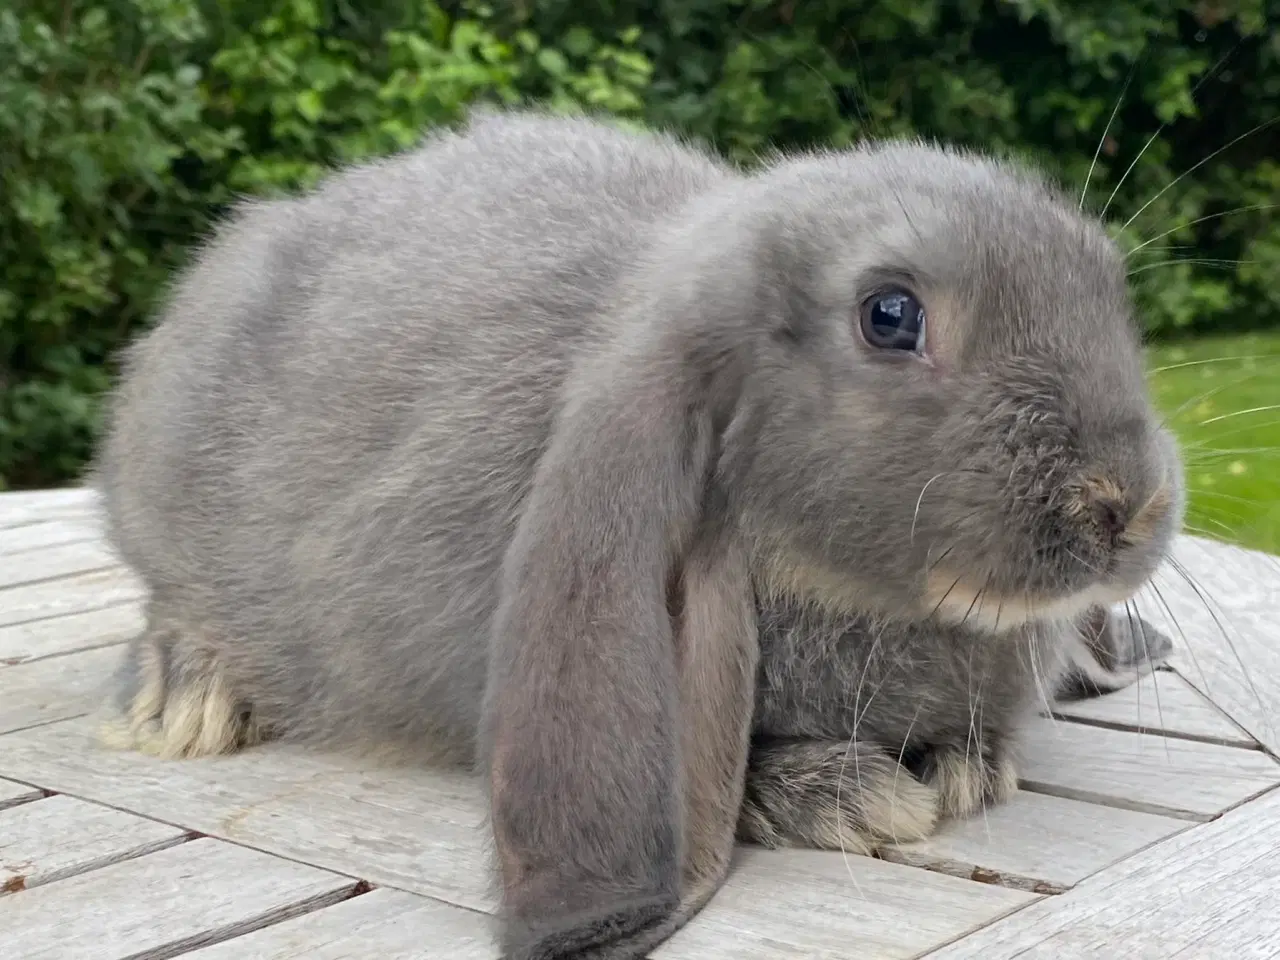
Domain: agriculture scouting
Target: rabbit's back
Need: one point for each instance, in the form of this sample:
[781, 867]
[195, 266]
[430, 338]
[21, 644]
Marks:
[319, 454]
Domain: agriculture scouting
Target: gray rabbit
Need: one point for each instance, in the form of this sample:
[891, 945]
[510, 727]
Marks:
[580, 456]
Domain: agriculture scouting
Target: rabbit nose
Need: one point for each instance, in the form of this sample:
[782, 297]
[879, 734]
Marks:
[1101, 502]
[1111, 517]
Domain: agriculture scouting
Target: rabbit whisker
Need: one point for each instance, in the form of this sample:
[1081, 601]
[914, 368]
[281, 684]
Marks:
[1136, 629]
[1106, 130]
[1160, 129]
[1202, 362]
[1257, 128]
[1192, 261]
[938, 607]
[976, 599]
[1240, 413]
[986, 823]
[1199, 398]
[1194, 584]
[1034, 662]
[1212, 216]
[1186, 643]
[916, 516]
[857, 768]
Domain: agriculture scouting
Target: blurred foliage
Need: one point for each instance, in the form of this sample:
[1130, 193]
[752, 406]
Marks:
[127, 125]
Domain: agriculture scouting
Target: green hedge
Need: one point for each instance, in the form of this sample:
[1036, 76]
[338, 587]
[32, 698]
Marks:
[126, 125]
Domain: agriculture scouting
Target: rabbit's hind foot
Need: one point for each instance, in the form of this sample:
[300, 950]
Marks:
[173, 699]
[833, 795]
[968, 781]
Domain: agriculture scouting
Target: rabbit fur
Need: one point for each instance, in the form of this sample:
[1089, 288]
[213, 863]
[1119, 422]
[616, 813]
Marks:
[555, 449]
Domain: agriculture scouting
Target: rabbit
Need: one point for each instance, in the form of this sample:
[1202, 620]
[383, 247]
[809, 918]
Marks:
[870, 730]
[541, 445]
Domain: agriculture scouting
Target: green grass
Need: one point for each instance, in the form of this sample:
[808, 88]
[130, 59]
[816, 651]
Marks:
[1232, 463]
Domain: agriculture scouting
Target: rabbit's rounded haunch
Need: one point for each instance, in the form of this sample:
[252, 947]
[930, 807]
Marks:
[527, 445]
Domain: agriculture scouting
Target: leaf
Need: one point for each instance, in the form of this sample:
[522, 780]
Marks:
[310, 105]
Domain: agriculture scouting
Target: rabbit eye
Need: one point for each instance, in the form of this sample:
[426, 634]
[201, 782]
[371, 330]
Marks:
[894, 321]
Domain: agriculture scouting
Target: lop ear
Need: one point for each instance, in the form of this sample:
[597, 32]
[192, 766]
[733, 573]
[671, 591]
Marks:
[717, 650]
[583, 715]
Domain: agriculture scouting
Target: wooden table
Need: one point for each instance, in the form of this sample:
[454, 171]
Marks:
[1148, 826]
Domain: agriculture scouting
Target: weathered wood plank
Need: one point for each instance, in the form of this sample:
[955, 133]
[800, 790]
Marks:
[1207, 894]
[51, 533]
[781, 904]
[421, 831]
[1035, 842]
[1225, 626]
[57, 837]
[34, 566]
[386, 924]
[78, 594]
[418, 830]
[36, 506]
[1161, 703]
[77, 631]
[157, 905]
[1163, 775]
[12, 794]
[54, 689]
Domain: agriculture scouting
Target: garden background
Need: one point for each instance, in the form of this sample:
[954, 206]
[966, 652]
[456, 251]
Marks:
[127, 125]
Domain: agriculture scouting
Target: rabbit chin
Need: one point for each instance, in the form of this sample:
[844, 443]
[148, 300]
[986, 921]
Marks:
[958, 601]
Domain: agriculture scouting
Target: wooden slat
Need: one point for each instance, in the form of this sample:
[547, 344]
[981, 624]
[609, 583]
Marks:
[56, 688]
[33, 566]
[1228, 644]
[12, 794]
[1161, 703]
[781, 904]
[35, 506]
[76, 631]
[41, 536]
[418, 830]
[60, 836]
[1164, 775]
[182, 897]
[1207, 894]
[383, 924]
[421, 831]
[79, 594]
[1036, 842]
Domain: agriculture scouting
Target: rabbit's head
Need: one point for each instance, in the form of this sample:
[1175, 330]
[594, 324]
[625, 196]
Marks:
[942, 409]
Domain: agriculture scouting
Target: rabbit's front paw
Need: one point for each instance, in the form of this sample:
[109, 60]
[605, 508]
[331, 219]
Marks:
[173, 700]
[968, 781]
[832, 795]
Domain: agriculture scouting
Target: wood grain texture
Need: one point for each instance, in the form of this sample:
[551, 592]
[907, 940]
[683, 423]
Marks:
[421, 831]
[76, 631]
[12, 794]
[1161, 703]
[36, 506]
[781, 904]
[78, 594]
[1210, 893]
[60, 836]
[382, 924]
[56, 688]
[1139, 771]
[163, 903]
[1035, 842]
[1225, 625]
[415, 829]
[34, 566]
[51, 533]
